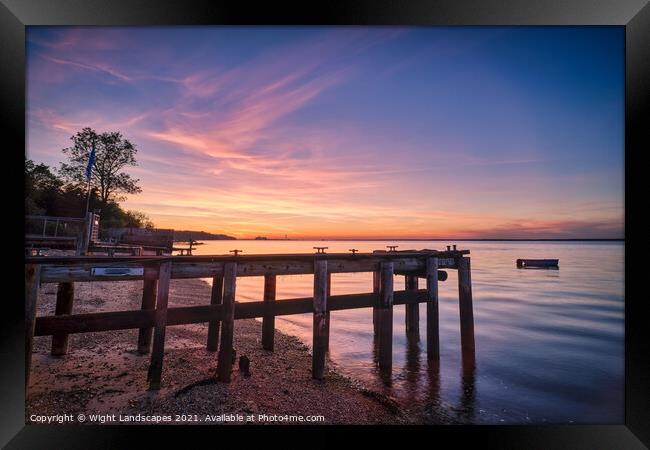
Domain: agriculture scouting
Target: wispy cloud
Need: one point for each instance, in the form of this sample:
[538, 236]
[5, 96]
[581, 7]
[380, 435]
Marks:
[288, 136]
[102, 68]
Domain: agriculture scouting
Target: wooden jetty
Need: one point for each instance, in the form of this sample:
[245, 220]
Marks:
[223, 311]
[187, 251]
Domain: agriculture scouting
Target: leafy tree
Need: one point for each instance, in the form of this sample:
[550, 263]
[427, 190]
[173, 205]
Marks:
[137, 219]
[48, 194]
[113, 155]
[42, 187]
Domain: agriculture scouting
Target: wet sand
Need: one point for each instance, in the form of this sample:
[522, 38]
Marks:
[103, 374]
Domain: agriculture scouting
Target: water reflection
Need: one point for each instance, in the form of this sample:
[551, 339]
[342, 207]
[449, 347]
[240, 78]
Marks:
[411, 368]
[468, 393]
[432, 400]
[568, 322]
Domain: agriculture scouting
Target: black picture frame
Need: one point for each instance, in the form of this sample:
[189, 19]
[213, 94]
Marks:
[634, 15]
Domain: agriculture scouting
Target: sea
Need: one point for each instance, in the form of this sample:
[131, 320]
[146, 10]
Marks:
[549, 342]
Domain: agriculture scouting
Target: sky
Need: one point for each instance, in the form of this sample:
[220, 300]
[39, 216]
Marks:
[348, 132]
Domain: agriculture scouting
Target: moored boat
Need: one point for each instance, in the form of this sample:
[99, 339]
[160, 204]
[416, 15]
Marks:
[524, 263]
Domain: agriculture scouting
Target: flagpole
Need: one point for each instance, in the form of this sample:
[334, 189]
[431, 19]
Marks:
[87, 199]
[89, 175]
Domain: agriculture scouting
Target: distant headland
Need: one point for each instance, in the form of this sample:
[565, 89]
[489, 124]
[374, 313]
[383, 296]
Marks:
[186, 235]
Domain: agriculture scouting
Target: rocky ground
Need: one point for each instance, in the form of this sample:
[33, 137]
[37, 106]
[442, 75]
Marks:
[103, 374]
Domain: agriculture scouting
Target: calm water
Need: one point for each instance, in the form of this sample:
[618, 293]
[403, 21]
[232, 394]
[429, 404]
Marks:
[549, 343]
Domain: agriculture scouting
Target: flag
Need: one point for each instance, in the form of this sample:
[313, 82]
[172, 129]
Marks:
[91, 161]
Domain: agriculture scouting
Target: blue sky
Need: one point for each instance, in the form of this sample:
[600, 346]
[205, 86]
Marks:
[511, 132]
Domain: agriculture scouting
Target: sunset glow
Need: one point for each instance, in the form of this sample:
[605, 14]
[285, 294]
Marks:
[348, 132]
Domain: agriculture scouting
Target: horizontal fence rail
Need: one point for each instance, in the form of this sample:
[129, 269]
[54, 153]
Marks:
[154, 315]
[124, 320]
[56, 270]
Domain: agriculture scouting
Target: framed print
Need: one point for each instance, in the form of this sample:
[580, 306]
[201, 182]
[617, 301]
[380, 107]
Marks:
[413, 218]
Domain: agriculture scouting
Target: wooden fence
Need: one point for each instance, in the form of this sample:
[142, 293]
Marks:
[154, 316]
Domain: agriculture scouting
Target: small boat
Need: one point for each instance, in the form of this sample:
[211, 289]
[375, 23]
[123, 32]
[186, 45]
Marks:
[524, 263]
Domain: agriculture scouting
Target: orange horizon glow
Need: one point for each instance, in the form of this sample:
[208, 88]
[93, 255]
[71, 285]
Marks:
[368, 133]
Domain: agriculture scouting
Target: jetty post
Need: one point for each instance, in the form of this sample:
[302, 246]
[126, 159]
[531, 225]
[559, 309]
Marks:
[376, 276]
[216, 298]
[329, 294]
[433, 336]
[160, 321]
[268, 321]
[385, 317]
[412, 310]
[224, 364]
[320, 337]
[64, 300]
[150, 285]
[466, 310]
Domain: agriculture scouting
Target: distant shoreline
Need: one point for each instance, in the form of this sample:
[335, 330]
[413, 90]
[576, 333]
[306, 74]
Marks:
[437, 240]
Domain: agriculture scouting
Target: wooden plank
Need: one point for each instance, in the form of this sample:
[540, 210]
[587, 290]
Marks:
[276, 257]
[94, 322]
[124, 320]
[433, 332]
[385, 318]
[376, 276]
[224, 366]
[268, 321]
[412, 311]
[150, 285]
[62, 272]
[216, 298]
[32, 285]
[442, 275]
[57, 218]
[160, 317]
[466, 311]
[64, 301]
[327, 313]
[38, 237]
[320, 319]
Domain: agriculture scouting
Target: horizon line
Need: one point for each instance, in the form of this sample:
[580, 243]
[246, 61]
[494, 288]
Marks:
[425, 239]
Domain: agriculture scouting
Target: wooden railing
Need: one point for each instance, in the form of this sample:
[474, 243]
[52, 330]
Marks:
[55, 231]
[154, 315]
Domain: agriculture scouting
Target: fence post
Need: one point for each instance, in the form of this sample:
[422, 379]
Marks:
[433, 336]
[150, 284]
[268, 321]
[376, 276]
[385, 317]
[216, 298]
[158, 351]
[327, 313]
[466, 309]
[32, 285]
[224, 365]
[64, 301]
[320, 337]
[412, 313]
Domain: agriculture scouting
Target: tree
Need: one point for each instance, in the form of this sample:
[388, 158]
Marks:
[137, 219]
[113, 154]
[42, 187]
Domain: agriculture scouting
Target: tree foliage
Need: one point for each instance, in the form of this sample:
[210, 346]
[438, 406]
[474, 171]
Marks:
[64, 193]
[42, 187]
[47, 194]
[113, 155]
